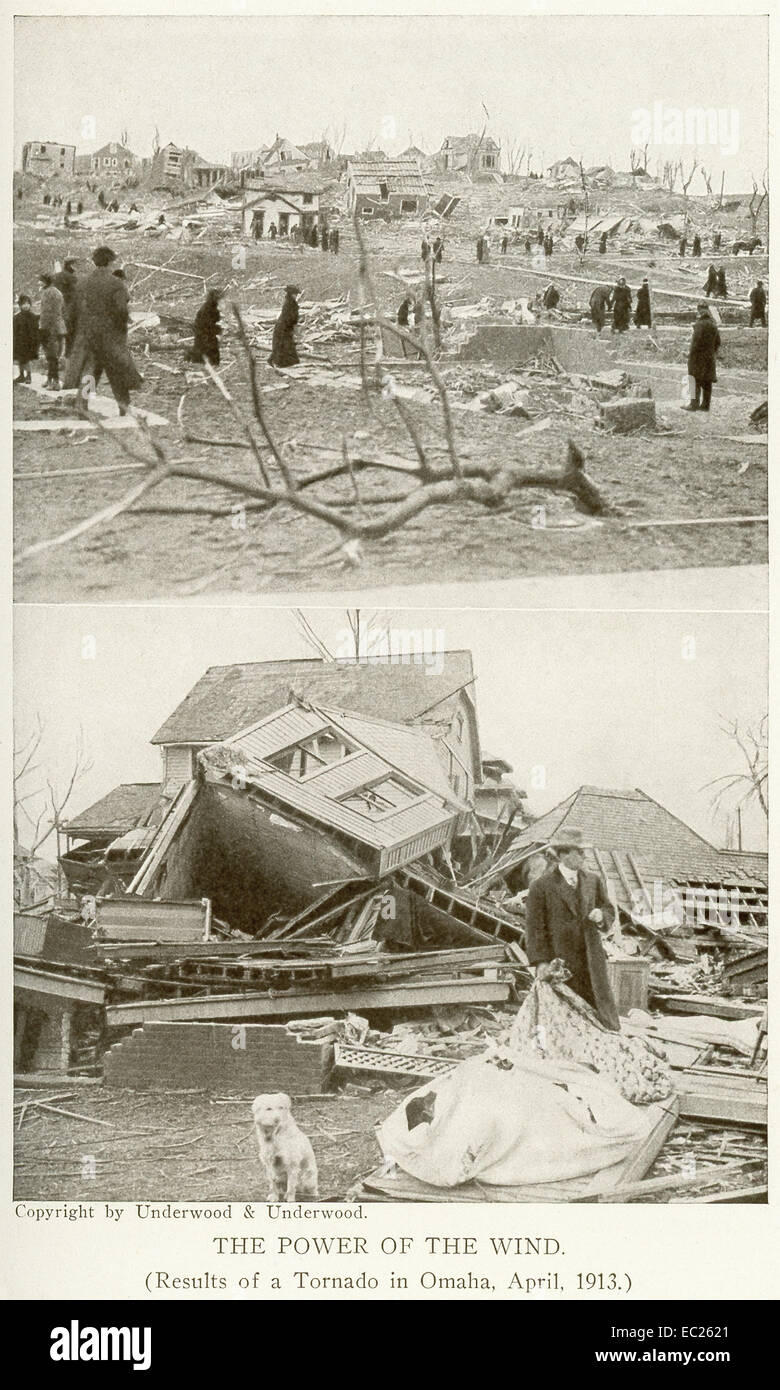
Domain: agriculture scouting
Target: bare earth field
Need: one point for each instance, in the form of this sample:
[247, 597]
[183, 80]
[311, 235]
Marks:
[184, 1147]
[129, 1146]
[692, 466]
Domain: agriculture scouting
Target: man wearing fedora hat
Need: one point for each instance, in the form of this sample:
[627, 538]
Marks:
[566, 909]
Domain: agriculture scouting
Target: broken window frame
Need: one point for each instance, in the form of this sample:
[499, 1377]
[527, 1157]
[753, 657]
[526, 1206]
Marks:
[367, 789]
[323, 765]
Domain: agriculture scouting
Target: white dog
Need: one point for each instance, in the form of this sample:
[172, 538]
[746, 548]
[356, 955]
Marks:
[285, 1152]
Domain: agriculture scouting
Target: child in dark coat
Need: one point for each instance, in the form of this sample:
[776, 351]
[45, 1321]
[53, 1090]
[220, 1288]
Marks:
[25, 338]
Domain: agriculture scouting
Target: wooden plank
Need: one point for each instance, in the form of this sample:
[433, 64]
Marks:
[713, 1005]
[398, 963]
[165, 834]
[410, 995]
[648, 1151]
[63, 986]
[716, 1101]
[214, 949]
[760, 1193]
[649, 1187]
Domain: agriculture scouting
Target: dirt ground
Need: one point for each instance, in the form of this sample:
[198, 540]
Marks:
[189, 1147]
[693, 466]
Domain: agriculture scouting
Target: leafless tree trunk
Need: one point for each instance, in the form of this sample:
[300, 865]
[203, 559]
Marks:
[33, 828]
[586, 195]
[756, 203]
[750, 785]
[515, 154]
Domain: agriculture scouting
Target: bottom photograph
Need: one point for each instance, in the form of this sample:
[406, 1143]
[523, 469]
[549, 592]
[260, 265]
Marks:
[333, 905]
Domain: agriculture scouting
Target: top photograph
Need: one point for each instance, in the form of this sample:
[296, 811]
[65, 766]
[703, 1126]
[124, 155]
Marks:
[391, 306]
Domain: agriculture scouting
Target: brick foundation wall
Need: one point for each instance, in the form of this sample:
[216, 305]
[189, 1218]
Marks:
[244, 1059]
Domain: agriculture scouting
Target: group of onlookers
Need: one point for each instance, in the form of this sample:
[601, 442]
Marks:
[81, 329]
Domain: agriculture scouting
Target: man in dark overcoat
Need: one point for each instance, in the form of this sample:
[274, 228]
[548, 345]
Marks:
[566, 910]
[701, 358]
[100, 344]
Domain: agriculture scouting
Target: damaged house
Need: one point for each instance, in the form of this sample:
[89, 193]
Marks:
[476, 156]
[174, 166]
[305, 799]
[113, 158]
[306, 809]
[385, 188]
[48, 159]
[660, 874]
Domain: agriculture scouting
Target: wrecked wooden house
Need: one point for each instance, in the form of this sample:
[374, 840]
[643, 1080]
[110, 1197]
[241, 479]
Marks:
[681, 895]
[304, 799]
[476, 156]
[385, 188]
[100, 848]
[286, 833]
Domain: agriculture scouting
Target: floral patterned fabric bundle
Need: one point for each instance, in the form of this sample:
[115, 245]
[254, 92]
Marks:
[554, 1022]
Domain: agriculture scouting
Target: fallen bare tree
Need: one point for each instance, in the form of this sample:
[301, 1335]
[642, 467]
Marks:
[439, 474]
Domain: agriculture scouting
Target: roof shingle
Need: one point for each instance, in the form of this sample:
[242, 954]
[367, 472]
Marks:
[228, 699]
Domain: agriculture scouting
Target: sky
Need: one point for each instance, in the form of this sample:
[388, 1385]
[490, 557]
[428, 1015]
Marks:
[559, 84]
[612, 699]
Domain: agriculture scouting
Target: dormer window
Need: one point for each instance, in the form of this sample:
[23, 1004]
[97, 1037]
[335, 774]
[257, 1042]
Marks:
[313, 754]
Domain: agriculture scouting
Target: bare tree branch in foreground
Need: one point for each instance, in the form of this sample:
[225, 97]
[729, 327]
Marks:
[358, 518]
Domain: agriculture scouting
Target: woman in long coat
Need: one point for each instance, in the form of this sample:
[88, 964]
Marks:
[701, 358]
[643, 317]
[283, 350]
[621, 307]
[208, 327]
[100, 344]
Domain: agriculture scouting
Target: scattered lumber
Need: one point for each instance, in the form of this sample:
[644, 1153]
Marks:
[723, 1097]
[706, 1176]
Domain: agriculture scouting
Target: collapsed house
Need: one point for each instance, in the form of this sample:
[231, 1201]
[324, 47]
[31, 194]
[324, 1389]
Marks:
[328, 863]
[385, 188]
[328, 801]
[174, 166]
